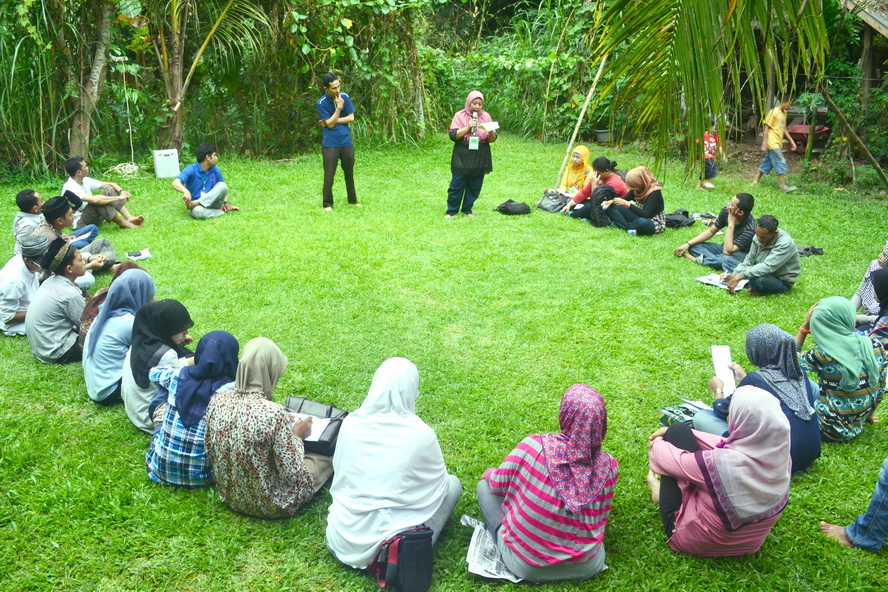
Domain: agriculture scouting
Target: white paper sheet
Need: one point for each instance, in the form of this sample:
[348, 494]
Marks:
[318, 425]
[714, 279]
[721, 361]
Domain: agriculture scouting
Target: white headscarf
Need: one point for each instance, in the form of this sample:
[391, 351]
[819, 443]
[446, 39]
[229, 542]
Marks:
[388, 470]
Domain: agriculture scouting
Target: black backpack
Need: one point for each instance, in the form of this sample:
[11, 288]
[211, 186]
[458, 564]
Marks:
[513, 208]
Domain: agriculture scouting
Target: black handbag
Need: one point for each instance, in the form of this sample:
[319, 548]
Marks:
[513, 208]
[326, 444]
[405, 561]
[552, 202]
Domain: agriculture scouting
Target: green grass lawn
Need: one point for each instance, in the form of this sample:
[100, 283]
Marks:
[500, 314]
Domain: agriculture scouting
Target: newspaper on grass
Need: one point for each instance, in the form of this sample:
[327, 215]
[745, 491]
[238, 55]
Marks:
[483, 557]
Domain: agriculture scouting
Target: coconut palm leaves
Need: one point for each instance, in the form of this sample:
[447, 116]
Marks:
[674, 59]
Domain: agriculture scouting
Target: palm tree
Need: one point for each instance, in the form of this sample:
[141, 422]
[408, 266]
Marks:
[177, 25]
[675, 58]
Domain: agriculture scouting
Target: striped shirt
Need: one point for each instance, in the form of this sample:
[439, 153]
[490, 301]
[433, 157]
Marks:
[841, 414]
[537, 526]
[177, 455]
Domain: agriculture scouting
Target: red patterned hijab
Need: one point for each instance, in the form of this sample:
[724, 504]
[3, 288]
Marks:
[577, 466]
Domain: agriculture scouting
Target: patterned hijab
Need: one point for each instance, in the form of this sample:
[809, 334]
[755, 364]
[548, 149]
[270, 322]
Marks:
[880, 287]
[215, 365]
[132, 290]
[642, 182]
[260, 368]
[577, 466]
[155, 324]
[774, 351]
[832, 326]
[747, 474]
[462, 117]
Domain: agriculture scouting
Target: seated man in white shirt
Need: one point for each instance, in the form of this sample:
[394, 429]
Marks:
[19, 280]
[27, 217]
[102, 201]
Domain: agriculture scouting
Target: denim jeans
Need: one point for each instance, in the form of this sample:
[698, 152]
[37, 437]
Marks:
[707, 421]
[870, 530]
[464, 189]
[774, 160]
[85, 236]
[628, 220]
[712, 255]
[768, 284]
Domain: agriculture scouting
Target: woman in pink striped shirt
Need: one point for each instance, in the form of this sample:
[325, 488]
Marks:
[547, 504]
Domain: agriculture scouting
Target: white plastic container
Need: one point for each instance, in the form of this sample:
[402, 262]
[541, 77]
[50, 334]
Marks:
[166, 163]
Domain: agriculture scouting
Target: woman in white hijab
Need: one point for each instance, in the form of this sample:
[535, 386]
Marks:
[388, 470]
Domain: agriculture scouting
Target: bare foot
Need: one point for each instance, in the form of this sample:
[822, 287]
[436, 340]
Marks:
[358, 205]
[836, 533]
[328, 209]
[448, 217]
[126, 224]
[470, 215]
[137, 220]
[754, 293]
[653, 483]
[230, 208]
[190, 204]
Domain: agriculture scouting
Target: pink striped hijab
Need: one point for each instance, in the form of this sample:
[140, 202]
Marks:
[577, 466]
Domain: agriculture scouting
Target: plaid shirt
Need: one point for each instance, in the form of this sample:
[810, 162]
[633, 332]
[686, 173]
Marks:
[177, 455]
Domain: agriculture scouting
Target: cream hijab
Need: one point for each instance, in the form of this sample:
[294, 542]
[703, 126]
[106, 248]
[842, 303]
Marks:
[260, 368]
[388, 470]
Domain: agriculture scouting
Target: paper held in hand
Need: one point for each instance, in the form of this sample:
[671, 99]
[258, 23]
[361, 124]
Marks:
[721, 361]
[489, 126]
[714, 279]
[318, 425]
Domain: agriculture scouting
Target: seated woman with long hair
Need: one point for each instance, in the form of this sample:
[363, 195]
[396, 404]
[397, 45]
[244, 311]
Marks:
[773, 350]
[641, 211]
[719, 496]
[604, 172]
[850, 369]
[548, 503]
[257, 450]
[388, 470]
[177, 455]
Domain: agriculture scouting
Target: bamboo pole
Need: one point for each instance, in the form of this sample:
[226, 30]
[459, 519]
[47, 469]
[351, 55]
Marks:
[853, 134]
[573, 136]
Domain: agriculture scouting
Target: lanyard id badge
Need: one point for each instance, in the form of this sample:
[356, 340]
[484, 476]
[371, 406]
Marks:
[474, 142]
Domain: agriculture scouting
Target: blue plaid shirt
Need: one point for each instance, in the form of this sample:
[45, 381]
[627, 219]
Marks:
[177, 455]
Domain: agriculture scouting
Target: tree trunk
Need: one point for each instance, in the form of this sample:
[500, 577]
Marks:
[91, 81]
[175, 89]
[866, 65]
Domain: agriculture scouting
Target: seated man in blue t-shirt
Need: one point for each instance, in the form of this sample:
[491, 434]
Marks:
[201, 185]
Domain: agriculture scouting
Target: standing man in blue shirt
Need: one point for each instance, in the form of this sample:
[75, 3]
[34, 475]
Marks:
[204, 192]
[335, 111]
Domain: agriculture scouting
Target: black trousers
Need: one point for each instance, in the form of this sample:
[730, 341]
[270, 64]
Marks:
[680, 436]
[332, 157]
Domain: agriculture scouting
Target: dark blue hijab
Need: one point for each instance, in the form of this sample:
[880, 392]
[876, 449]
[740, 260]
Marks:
[215, 364]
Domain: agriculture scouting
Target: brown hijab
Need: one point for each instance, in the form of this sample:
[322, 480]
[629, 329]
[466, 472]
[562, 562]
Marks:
[642, 182]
